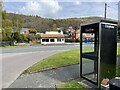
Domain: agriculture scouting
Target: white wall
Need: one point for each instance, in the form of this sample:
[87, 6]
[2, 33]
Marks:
[54, 32]
[55, 41]
[51, 32]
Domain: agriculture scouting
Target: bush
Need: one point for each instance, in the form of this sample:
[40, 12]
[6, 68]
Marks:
[69, 40]
[77, 40]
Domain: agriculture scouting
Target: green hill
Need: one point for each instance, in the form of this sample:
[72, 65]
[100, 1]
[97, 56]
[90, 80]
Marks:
[43, 24]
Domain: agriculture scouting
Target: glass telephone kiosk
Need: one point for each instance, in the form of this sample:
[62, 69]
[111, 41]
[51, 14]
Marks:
[98, 56]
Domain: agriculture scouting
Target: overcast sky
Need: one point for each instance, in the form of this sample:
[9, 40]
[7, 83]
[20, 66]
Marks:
[62, 8]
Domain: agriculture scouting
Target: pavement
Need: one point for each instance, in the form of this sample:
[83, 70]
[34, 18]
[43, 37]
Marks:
[47, 79]
[118, 61]
[50, 78]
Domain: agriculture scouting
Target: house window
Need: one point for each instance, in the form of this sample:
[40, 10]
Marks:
[62, 39]
[45, 40]
[52, 40]
[59, 39]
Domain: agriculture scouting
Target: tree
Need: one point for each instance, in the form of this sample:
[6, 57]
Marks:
[4, 37]
[8, 23]
[0, 35]
[25, 38]
[0, 15]
[8, 26]
[16, 36]
[8, 32]
[54, 27]
[6, 29]
[32, 37]
[32, 31]
[4, 15]
[0, 21]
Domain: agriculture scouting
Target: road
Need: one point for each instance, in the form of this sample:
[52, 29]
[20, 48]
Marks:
[16, 60]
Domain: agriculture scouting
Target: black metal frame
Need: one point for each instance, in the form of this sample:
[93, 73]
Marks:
[89, 55]
[97, 48]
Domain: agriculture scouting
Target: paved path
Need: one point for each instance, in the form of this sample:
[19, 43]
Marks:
[118, 61]
[49, 78]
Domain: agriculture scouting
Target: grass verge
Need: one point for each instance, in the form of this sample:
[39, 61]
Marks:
[58, 60]
[118, 71]
[118, 50]
[118, 68]
[74, 84]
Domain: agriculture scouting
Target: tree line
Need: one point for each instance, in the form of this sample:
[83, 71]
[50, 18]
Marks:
[12, 24]
[45, 24]
[10, 27]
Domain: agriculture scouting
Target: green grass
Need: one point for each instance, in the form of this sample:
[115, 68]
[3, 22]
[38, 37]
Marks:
[62, 59]
[118, 68]
[118, 71]
[75, 84]
[14, 46]
[58, 60]
[118, 50]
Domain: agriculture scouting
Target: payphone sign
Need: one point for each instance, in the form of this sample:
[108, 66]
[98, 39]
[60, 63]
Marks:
[109, 26]
[89, 30]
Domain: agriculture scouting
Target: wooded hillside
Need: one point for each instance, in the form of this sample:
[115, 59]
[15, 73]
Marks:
[45, 24]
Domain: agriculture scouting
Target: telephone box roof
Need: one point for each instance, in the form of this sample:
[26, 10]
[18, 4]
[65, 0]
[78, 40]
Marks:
[99, 21]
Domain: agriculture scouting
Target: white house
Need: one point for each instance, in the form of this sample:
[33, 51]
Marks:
[24, 31]
[52, 37]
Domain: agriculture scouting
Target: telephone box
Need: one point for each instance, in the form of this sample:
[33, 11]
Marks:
[98, 48]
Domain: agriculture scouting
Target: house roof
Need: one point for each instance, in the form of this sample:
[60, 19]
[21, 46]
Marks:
[24, 30]
[77, 31]
[88, 36]
[51, 35]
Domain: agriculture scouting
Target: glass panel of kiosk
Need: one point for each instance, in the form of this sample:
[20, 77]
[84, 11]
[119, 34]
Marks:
[89, 52]
[98, 45]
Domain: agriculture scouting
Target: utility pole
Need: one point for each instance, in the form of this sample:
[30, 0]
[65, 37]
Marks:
[119, 11]
[105, 10]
